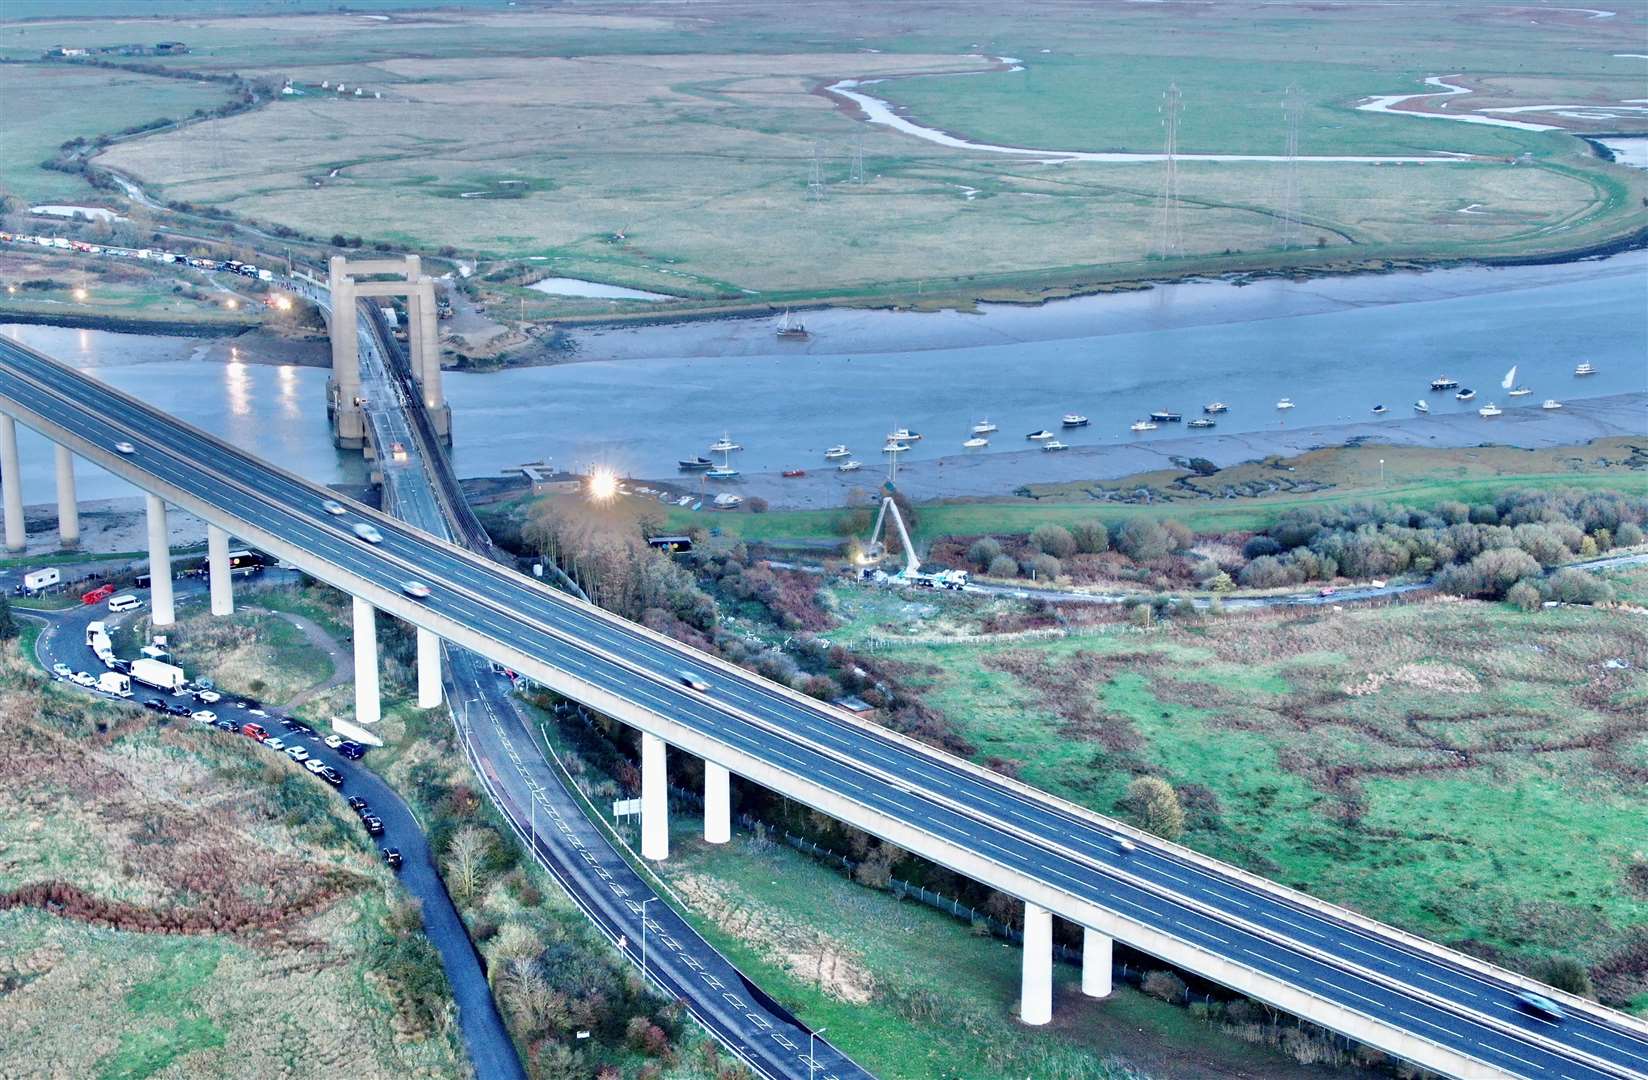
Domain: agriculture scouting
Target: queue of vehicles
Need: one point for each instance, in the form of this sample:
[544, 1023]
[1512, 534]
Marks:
[63, 243]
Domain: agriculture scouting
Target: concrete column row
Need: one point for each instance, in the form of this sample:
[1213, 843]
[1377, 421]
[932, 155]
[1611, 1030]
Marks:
[1036, 986]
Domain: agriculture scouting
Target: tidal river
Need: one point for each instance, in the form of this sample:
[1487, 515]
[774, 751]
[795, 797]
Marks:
[1335, 347]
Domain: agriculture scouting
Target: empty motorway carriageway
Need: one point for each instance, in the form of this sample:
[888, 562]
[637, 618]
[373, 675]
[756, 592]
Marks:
[1406, 996]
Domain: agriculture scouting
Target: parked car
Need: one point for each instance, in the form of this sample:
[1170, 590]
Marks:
[334, 741]
[254, 731]
[354, 751]
[155, 704]
[83, 678]
[224, 725]
[356, 803]
[314, 765]
[331, 776]
[208, 697]
[204, 716]
[392, 856]
[297, 753]
[374, 825]
[274, 744]
[62, 670]
[179, 710]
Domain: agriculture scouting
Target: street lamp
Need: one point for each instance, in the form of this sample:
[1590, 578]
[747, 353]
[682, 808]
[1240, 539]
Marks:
[1381, 472]
[644, 904]
[812, 1037]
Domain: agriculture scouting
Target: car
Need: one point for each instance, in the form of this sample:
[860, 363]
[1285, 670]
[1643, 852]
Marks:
[178, 710]
[331, 776]
[417, 590]
[82, 678]
[374, 825]
[256, 711]
[208, 697]
[1541, 1006]
[368, 533]
[354, 751]
[694, 681]
[290, 724]
[302, 729]
[124, 602]
[314, 765]
[392, 856]
[205, 716]
[334, 741]
[397, 452]
[297, 753]
[1125, 846]
[223, 725]
[1326, 590]
[155, 704]
[248, 703]
[333, 507]
[274, 744]
[124, 447]
[62, 670]
[356, 803]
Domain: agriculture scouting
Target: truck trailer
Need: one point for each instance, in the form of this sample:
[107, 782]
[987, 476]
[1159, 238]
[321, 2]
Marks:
[115, 684]
[156, 673]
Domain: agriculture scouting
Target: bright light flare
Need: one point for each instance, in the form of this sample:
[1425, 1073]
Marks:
[283, 303]
[233, 303]
[80, 293]
[603, 485]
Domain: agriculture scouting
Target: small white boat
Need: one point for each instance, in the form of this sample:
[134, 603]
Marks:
[1380, 410]
[1490, 409]
[1201, 422]
[1551, 403]
[1285, 403]
[975, 442]
[727, 500]
[1071, 419]
[894, 448]
[1465, 394]
[849, 466]
[1142, 425]
[903, 435]
[722, 473]
[1038, 436]
[724, 445]
[1054, 444]
[836, 451]
[1215, 407]
[1586, 368]
[984, 427]
[1520, 391]
[1422, 406]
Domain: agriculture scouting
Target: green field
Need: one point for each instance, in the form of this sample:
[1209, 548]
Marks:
[672, 152]
[1458, 769]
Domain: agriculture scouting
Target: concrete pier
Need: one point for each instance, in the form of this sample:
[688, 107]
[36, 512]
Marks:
[1036, 993]
[68, 508]
[217, 569]
[160, 563]
[1096, 960]
[717, 804]
[368, 707]
[11, 479]
[429, 669]
[654, 799]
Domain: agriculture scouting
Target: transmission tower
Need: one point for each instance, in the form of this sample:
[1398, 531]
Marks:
[855, 164]
[1288, 226]
[816, 191]
[1169, 226]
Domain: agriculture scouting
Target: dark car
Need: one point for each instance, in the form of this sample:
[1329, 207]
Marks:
[1541, 1006]
[354, 751]
[156, 704]
[374, 825]
[357, 804]
[331, 776]
[248, 703]
[299, 729]
[223, 725]
[392, 856]
[179, 710]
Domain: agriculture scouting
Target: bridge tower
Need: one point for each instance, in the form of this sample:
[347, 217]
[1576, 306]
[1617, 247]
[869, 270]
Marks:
[343, 390]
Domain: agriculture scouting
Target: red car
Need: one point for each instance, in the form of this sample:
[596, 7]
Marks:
[254, 731]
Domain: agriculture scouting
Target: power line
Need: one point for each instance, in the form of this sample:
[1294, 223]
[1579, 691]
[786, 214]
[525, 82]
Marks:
[1169, 224]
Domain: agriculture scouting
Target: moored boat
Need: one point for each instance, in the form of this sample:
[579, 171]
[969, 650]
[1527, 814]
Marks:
[1201, 422]
[1074, 420]
[1166, 417]
[1520, 391]
[836, 451]
[975, 442]
[849, 466]
[1285, 403]
[1422, 406]
[722, 472]
[1214, 407]
[1054, 444]
[695, 463]
[1443, 382]
[1551, 403]
[1586, 368]
[1039, 435]
[791, 474]
[1490, 409]
[1465, 395]
[984, 427]
[1141, 425]
[790, 328]
[894, 447]
[724, 445]
[904, 435]
[1380, 410]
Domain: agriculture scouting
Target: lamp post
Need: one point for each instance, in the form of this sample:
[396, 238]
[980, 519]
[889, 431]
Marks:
[812, 1038]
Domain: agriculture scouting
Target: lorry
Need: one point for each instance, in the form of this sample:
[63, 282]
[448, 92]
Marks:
[115, 684]
[97, 638]
[95, 630]
[156, 673]
[39, 580]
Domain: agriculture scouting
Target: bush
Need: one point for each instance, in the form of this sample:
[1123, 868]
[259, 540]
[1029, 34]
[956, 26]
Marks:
[1564, 973]
[1004, 566]
[1490, 574]
[1164, 985]
[1044, 567]
[983, 552]
[758, 505]
[1092, 537]
[1257, 547]
[1524, 596]
[1157, 806]
[1054, 540]
[1571, 586]
[1629, 534]
[1142, 541]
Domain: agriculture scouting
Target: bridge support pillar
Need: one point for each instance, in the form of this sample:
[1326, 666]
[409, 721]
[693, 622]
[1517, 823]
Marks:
[1036, 993]
[368, 708]
[217, 569]
[654, 799]
[68, 508]
[428, 331]
[1096, 950]
[717, 804]
[11, 479]
[429, 669]
[160, 563]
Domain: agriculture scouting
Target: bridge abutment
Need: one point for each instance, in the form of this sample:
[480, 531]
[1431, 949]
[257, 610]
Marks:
[717, 804]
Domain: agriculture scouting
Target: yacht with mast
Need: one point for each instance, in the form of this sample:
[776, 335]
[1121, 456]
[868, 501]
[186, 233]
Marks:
[791, 329]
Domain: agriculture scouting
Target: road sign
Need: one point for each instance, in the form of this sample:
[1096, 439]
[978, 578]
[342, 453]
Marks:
[626, 807]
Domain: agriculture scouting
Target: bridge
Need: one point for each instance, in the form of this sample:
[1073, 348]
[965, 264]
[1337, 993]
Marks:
[1411, 998]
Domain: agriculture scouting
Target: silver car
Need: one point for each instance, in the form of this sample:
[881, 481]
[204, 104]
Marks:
[333, 507]
[368, 533]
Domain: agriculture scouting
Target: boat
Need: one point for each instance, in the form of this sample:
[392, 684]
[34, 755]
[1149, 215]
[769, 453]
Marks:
[1443, 383]
[836, 451]
[1490, 409]
[903, 435]
[1074, 420]
[1201, 422]
[1586, 368]
[791, 474]
[1285, 403]
[1165, 417]
[1214, 407]
[724, 445]
[722, 472]
[1551, 403]
[1142, 425]
[692, 464]
[1422, 406]
[1520, 391]
[727, 500]
[1465, 394]
[975, 442]
[1380, 410]
[1038, 436]
[1509, 380]
[894, 447]
[1054, 444]
[849, 466]
[984, 427]
[790, 328]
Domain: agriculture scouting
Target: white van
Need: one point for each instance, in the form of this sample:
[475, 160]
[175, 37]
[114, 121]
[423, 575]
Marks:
[124, 602]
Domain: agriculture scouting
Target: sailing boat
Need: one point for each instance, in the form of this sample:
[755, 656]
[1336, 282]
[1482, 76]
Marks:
[788, 328]
[1509, 383]
[724, 471]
